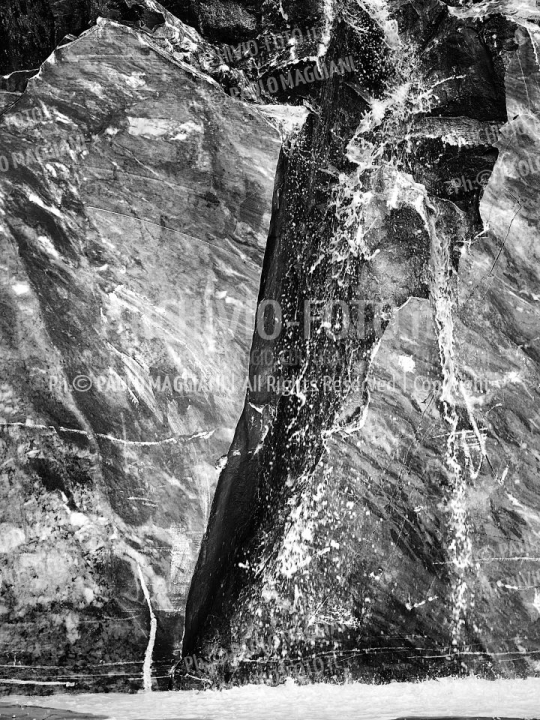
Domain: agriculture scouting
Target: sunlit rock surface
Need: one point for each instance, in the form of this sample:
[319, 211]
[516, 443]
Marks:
[378, 511]
[134, 211]
[392, 521]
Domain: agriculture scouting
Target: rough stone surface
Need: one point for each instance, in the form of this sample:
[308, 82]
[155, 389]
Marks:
[134, 214]
[394, 524]
[30, 31]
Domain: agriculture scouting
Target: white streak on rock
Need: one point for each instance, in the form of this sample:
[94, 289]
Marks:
[327, 30]
[147, 666]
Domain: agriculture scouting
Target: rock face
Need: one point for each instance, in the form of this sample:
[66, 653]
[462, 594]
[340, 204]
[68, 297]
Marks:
[380, 498]
[30, 31]
[135, 202]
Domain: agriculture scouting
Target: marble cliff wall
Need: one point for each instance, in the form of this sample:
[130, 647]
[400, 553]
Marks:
[134, 209]
[389, 516]
[30, 31]
[379, 501]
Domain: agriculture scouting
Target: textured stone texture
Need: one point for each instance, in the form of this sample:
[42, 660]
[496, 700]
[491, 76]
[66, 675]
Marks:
[133, 217]
[340, 523]
[30, 31]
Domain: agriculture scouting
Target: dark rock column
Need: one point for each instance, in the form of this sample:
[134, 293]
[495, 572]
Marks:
[297, 355]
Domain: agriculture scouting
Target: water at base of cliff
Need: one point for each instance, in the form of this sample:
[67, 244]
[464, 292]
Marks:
[446, 698]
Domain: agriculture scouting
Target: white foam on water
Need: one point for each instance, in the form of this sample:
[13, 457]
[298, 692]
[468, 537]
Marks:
[434, 698]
